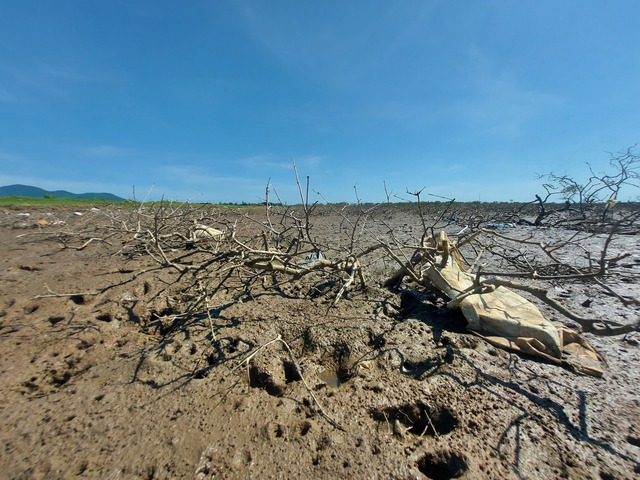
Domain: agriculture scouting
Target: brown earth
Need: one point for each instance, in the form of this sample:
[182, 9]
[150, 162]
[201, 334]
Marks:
[96, 384]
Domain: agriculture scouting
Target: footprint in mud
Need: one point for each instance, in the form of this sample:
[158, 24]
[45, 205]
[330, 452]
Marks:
[54, 319]
[340, 369]
[7, 305]
[333, 378]
[259, 378]
[418, 419]
[30, 387]
[104, 317]
[59, 378]
[78, 299]
[53, 376]
[29, 309]
[633, 440]
[305, 427]
[442, 465]
[273, 375]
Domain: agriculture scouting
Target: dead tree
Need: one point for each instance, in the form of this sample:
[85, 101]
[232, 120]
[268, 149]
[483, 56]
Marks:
[277, 247]
[591, 199]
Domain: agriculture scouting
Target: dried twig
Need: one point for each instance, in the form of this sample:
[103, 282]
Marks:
[247, 359]
[77, 294]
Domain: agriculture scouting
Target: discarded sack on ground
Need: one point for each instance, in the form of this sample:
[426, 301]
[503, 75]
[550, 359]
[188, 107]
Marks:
[504, 318]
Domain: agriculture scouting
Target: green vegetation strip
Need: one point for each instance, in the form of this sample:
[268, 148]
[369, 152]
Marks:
[49, 201]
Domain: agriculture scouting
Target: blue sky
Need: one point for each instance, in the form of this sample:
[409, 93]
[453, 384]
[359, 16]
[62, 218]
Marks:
[208, 100]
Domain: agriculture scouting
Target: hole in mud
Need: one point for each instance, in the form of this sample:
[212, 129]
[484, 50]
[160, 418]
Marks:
[60, 379]
[442, 465]
[633, 440]
[604, 475]
[409, 301]
[77, 299]
[341, 374]
[104, 317]
[30, 386]
[419, 419]
[53, 320]
[30, 309]
[322, 289]
[200, 374]
[304, 428]
[309, 339]
[165, 321]
[290, 372]
[376, 340]
[333, 378]
[29, 268]
[204, 372]
[417, 369]
[260, 379]
[211, 359]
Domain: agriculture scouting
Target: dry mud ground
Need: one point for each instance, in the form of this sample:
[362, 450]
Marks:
[94, 385]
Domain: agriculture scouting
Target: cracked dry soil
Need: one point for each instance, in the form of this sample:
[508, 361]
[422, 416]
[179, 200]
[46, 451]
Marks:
[94, 385]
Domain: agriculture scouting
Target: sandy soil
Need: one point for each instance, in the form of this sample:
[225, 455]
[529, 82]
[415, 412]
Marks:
[96, 384]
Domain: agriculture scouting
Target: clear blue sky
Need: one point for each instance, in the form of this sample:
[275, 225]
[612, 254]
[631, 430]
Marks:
[207, 100]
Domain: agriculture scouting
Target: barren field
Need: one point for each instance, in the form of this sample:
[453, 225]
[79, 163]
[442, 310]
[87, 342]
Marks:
[111, 368]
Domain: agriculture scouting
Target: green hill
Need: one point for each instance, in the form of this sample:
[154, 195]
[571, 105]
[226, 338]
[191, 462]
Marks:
[36, 192]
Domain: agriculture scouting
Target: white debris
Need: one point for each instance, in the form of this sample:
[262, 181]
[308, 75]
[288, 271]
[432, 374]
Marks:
[203, 232]
[312, 258]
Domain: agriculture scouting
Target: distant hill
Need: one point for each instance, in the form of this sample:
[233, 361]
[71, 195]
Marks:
[29, 191]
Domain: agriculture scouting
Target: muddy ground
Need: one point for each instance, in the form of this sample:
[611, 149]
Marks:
[98, 381]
